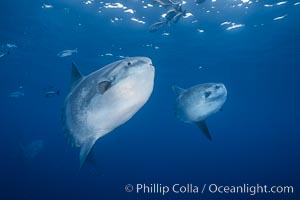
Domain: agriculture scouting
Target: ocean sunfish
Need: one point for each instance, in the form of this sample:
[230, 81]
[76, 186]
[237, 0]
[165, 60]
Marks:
[195, 104]
[105, 99]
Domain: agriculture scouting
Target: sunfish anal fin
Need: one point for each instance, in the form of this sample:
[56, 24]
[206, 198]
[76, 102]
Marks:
[91, 157]
[85, 150]
[203, 127]
[76, 75]
[103, 86]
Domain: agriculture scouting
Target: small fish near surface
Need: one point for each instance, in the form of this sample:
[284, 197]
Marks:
[175, 14]
[11, 45]
[165, 3]
[2, 54]
[105, 99]
[66, 53]
[195, 104]
[172, 15]
[156, 26]
[199, 1]
[6, 49]
[178, 16]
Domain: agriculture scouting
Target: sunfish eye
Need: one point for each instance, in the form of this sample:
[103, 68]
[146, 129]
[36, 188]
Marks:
[129, 63]
[207, 94]
[217, 87]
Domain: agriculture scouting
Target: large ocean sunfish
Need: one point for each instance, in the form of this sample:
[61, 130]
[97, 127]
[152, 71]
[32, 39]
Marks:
[105, 99]
[195, 104]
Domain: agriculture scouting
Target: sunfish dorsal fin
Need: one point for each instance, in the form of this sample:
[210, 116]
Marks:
[203, 127]
[85, 149]
[76, 76]
[177, 90]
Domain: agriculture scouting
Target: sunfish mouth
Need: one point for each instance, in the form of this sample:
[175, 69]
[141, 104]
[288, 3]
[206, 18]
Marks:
[152, 66]
[147, 61]
[220, 96]
[142, 60]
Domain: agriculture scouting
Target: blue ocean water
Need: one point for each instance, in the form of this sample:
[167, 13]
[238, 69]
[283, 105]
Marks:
[253, 47]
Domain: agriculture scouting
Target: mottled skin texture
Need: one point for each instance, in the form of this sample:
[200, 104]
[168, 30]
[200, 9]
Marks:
[106, 99]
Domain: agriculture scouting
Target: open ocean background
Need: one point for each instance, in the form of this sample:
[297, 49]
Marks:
[255, 138]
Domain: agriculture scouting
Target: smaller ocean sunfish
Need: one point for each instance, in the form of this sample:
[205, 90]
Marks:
[195, 104]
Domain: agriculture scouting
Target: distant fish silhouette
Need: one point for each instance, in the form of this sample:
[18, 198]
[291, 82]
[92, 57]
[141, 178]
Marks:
[156, 26]
[2, 54]
[65, 53]
[165, 3]
[51, 93]
[11, 45]
[16, 94]
[199, 1]
[5, 49]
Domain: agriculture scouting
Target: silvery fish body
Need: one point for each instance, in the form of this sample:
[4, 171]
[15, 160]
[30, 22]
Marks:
[65, 53]
[195, 104]
[51, 93]
[105, 99]
[170, 14]
[16, 94]
[165, 3]
[156, 26]
[2, 54]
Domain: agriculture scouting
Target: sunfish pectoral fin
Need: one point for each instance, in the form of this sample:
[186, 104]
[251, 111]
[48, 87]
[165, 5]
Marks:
[103, 86]
[76, 75]
[203, 127]
[177, 90]
[85, 150]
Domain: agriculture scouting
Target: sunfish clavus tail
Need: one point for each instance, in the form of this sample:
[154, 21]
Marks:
[105, 99]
